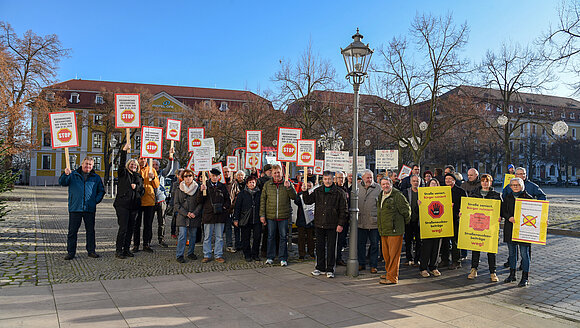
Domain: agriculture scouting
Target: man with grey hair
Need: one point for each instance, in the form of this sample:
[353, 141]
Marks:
[368, 229]
[472, 182]
[85, 191]
[531, 188]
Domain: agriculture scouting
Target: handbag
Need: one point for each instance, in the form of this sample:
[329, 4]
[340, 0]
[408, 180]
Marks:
[246, 217]
[218, 208]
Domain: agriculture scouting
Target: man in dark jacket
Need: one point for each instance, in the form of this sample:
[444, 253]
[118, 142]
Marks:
[330, 215]
[406, 182]
[412, 236]
[215, 209]
[472, 182]
[85, 191]
[456, 194]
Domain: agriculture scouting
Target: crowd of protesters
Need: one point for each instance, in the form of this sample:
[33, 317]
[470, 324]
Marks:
[254, 211]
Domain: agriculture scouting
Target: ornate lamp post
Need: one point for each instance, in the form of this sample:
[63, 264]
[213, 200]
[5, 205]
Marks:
[113, 143]
[330, 141]
[357, 57]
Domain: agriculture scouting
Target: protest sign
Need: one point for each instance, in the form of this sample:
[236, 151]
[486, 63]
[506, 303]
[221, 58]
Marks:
[318, 167]
[127, 110]
[190, 163]
[531, 221]
[151, 142]
[507, 178]
[173, 130]
[194, 136]
[287, 144]
[435, 212]
[253, 160]
[387, 159]
[306, 153]
[63, 129]
[361, 164]
[202, 159]
[479, 224]
[210, 143]
[232, 163]
[335, 160]
[405, 172]
[253, 141]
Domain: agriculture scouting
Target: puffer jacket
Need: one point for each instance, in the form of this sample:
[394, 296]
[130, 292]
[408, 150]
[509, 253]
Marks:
[128, 197]
[394, 213]
[367, 203]
[148, 198]
[531, 189]
[83, 195]
[275, 201]
[331, 209]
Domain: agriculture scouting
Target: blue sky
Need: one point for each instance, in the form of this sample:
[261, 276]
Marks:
[238, 44]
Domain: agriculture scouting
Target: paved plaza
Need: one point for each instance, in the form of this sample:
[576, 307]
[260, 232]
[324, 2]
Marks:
[39, 288]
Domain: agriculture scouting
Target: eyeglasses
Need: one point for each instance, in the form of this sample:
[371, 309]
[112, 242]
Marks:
[188, 176]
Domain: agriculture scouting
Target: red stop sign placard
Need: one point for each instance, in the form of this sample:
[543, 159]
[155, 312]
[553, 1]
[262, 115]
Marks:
[173, 133]
[127, 116]
[305, 157]
[253, 145]
[318, 169]
[151, 147]
[288, 150]
[196, 142]
[232, 166]
[253, 160]
[64, 135]
[436, 209]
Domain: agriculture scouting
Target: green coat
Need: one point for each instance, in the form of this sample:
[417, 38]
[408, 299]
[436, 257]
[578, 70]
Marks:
[275, 201]
[393, 214]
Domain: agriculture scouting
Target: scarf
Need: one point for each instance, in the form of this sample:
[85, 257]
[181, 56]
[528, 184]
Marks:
[188, 190]
[252, 192]
[518, 194]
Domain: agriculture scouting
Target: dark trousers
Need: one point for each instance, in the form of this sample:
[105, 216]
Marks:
[74, 223]
[454, 250]
[174, 225]
[145, 216]
[412, 238]
[158, 212]
[325, 249]
[429, 253]
[229, 229]
[251, 232]
[126, 219]
[371, 235]
[305, 238]
[341, 242]
[490, 260]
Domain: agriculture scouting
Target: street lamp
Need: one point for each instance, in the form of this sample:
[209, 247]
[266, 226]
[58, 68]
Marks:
[330, 141]
[357, 57]
[113, 144]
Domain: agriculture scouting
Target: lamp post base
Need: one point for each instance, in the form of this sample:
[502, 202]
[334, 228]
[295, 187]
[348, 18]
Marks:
[352, 268]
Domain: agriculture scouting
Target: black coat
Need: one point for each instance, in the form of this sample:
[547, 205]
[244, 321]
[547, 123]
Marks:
[183, 204]
[456, 194]
[300, 217]
[128, 197]
[244, 203]
[507, 211]
[492, 194]
[217, 194]
[331, 208]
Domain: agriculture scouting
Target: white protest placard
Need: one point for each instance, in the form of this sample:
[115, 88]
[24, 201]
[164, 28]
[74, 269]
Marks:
[361, 164]
[127, 110]
[190, 163]
[306, 152]
[272, 160]
[232, 163]
[253, 141]
[151, 142]
[405, 172]
[220, 168]
[210, 143]
[253, 160]
[318, 167]
[287, 144]
[63, 129]
[387, 159]
[173, 130]
[202, 159]
[335, 160]
[194, 136]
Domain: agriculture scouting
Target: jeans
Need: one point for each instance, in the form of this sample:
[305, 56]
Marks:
[524, 251]
[126, 220]
[253, 232]
[74, 223]
[210, 230]
[236, 234]
[184, 233]
[325, 249]
[159, 212]
[282, 228]
[145, 215]
[373, 236]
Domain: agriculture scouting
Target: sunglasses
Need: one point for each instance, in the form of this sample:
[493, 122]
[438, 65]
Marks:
[188, 176]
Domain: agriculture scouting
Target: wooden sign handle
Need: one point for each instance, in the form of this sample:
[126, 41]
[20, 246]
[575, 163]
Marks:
[150, 165]
[287, 171]
[317, 176]
[67, 158]
[203, 181]
[128, 133]
[170, 154]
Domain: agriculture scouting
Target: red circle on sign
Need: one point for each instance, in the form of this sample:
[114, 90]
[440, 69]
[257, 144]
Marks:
[436, 209]
[288, 150]
[232, 166]
[64, 135]
[318, 169]
[253, 160]
[306, 157]
[196, 142]
[173, 133]
[127, 116]
[253, 144]
[151, 147]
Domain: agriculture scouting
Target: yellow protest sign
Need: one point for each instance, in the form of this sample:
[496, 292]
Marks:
[479, 224]
[506, 179]
[435, 212]
[531, 221]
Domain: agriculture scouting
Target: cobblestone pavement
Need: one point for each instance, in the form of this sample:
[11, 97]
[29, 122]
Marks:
[554, 289]
[564, 207]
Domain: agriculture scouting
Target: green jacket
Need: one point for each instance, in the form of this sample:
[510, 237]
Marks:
[393, 213]
[275, 201]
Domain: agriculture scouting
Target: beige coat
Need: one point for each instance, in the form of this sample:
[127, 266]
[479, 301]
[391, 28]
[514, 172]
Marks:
[367, 204]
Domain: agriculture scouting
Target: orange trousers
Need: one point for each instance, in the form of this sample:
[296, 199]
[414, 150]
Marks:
[391, 246]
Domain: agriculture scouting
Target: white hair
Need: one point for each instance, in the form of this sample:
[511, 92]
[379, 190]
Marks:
[241, 172]
[520, 181]
[519, 168]
[367, 171]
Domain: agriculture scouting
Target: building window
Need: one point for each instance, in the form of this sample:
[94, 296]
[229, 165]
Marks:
[531, 111]
[99, 100]
[223, 106]
[521, 110]
[544, 131]
[563, 115]
[98, 119]
[46, 139]
[97, 165]
[46, 159]
[74, 98]
[573, 132]
[498, 109]
[552, 170]
[511, 110]
[572, 115]
[573, 170]
[49, 96]
[97, 140]
[488, 107]
[207, 104]
[551, 112]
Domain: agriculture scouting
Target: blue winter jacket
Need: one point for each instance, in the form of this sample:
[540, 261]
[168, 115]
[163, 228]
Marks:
[83, 196]
[531, 188]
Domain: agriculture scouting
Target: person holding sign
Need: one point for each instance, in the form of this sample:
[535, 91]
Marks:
[507, 212]
[456, 194]
[430, 247]
[330, 216]
[85, 191]
[150, 183]
[484, 191]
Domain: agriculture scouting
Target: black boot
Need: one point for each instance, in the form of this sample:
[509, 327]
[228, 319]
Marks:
[511, 277]
[524, 281]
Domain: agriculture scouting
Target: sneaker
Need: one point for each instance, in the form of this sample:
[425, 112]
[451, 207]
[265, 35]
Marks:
[283, 263]
[316, 273]
[269, 261]
[425, 274]
[94, 255]
[231, 249]
[436, 273]
[472, 274]
[330, 275]
[220, 260]
[163, 244]
[148, 249]
[493, 277]
[69, 257]
[181, 259]
[192, 257]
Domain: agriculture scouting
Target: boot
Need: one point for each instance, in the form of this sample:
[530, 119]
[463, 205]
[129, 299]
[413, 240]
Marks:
[511, 277]
[524, 281]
